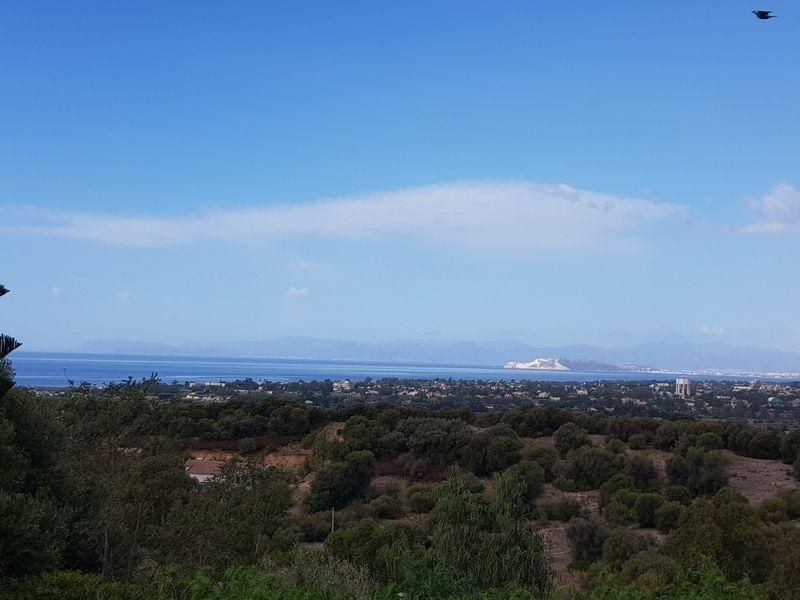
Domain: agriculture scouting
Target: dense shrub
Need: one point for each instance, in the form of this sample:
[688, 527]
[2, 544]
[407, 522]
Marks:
[642, 472]
[710, 441]
[638, 441]
[593, 466]
[784, 580]
[784, 506]
[616, 446]
[651, 570]
[587, 537]
[618, 547]
[620, 481]
[387, 507]
[617, 513]
[645, 508]
[726, 529]
[765, 444]
[678, 493]
[338, 484]
[700, 471]
[532, 475]
[570, 437]
[667, 516]
[247, 445]
[440, 442]
[546, 457]
[361, 541]
[702, 582]
[489, 542]
[790, 446]
[421, 498]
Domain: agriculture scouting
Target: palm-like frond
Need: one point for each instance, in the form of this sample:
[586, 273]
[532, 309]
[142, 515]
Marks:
[7, 345]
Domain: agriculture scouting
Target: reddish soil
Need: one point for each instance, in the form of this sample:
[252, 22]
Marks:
[757, 479]
[221, 455]
[291, 458]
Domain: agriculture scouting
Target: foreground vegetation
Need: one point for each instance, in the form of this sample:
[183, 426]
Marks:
[95, 502]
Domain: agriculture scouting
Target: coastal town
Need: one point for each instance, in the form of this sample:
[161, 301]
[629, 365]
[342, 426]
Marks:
[752, 401]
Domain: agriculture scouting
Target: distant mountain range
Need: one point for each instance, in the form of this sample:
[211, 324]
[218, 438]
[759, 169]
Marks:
[664, 356]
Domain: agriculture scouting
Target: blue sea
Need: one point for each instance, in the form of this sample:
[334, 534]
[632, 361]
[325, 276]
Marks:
[35, 369]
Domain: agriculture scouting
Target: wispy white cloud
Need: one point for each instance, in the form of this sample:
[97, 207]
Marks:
[712, 330]
[779, 211]
[509, 216]
[123, 295]
[293, 292]
[56, 292]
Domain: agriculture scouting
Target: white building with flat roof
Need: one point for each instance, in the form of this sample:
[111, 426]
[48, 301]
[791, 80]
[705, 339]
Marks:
[683, 387]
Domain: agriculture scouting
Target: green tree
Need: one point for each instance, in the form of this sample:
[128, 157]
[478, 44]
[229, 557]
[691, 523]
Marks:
[646, 506]
[765, 444]
[336, 485]
[570, 437]
[532, 475]
[593, 466]
[489, 542]
[668, 515]
[726, 529]
[546, 457]
[790, 446]
[228, 520]
[700, 471]
[642, 472]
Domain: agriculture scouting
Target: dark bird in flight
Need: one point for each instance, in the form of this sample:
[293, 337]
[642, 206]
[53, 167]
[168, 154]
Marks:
[764, 14]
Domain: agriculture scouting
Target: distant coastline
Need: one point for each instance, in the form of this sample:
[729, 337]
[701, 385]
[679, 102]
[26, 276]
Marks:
[35, 369]
[562, 364]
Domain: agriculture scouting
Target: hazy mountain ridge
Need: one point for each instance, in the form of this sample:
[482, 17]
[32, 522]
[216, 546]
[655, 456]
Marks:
[676, 356]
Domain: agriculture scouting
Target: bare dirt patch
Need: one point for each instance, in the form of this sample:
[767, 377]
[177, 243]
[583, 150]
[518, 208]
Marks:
[590, 501]
[289, 458]
[654, 535]
[529, 443]
[299, 493]
[332, 431]
[559, 553]
[220, 455]
[757, 479]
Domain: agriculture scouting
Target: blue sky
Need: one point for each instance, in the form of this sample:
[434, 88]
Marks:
[551, 173]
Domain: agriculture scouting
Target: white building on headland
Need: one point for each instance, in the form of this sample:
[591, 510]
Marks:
[683, 387]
